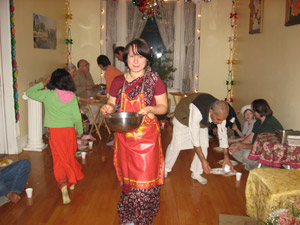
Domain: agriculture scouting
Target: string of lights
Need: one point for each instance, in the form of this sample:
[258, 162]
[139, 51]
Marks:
[231, 61]
[69, 40]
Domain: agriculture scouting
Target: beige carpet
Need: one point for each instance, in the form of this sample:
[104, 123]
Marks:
[236, 220]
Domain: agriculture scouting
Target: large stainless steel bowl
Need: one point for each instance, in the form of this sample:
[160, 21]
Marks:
[123, 121]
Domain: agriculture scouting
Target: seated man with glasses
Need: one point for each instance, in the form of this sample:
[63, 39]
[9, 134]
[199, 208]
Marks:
[85, 86]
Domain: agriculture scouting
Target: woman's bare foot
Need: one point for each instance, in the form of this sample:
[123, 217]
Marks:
[65, 195]
[13, 197]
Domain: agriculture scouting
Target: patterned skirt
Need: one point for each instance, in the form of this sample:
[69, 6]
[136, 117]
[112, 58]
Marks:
[139, 205]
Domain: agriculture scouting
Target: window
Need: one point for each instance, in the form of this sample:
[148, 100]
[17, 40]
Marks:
[134, 26]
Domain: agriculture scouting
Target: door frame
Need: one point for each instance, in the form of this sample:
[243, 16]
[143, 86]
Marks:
[7, 121]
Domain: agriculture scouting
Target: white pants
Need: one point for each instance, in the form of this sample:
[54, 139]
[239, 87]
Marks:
[181, 140]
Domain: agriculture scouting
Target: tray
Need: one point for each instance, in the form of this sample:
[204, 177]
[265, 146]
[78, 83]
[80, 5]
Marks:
[220, 171]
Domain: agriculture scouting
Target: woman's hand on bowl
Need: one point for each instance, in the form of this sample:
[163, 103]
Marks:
[107, 109]
[144, 111]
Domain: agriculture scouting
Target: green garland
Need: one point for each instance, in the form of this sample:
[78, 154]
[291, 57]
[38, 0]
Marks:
[13, 58]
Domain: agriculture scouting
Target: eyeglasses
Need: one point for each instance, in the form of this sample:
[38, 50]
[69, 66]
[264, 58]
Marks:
[87, 64]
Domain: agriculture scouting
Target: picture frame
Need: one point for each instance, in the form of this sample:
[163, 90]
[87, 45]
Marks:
[292, 15]
[256, 16]
[44, 32]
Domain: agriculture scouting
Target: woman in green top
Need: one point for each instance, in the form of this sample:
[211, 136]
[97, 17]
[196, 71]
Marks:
[61, 114]
[266, 122]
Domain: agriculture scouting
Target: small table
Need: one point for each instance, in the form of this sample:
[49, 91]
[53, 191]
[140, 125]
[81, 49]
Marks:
[99, 101]
[268, 190]
[268, 150]
[180, 95]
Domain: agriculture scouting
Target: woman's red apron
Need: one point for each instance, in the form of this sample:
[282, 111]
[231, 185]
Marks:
[138, 156]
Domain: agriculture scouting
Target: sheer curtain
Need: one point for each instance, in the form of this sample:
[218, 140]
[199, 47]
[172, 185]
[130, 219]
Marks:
[111, 27]
[189, 43]
[166, 27]
[135, 23]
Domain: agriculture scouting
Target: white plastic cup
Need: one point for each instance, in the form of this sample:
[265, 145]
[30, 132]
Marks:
[83, 155]
[29, 192]
[90, 144]
[238, 176]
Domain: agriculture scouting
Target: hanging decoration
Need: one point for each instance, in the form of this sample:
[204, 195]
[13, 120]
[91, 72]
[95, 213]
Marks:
[69, 40]
[231, 60]
[149, 8]
[13, 58]
[197, 1]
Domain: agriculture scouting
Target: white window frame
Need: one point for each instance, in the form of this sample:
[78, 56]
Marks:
[179, 48]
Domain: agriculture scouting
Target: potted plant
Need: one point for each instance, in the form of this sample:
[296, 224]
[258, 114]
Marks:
[163, 65]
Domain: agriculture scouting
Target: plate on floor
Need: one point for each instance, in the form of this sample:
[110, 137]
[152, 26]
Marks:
[5, 162]
[217, 171]
[233, 162]
[231, 173]
[78, 154]
[219, 149]
[221, 171]
[84, 148]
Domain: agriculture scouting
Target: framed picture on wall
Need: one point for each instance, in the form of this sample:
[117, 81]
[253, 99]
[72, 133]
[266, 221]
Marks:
[44, 32]
[256, 16]
[292, 15]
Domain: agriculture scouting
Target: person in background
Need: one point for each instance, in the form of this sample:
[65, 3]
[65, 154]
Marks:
[192, 118]
[85, 86]
[110, 71]
[62, 115]
[138, 156]
[86, 89]
[266, 122]
[13, 179]
[118, 53]
[231, 122]
[71, 69]
[248, 114]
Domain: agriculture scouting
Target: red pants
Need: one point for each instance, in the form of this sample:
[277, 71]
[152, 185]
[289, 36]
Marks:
[67, 170]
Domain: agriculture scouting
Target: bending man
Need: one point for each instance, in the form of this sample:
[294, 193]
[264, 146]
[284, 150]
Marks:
[193, 116]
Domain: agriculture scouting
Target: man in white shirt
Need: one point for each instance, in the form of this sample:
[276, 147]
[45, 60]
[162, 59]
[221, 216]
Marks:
[193, 115]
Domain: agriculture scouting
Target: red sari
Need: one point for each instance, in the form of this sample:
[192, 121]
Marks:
[138, 156]
[139, 163]
[67, 170]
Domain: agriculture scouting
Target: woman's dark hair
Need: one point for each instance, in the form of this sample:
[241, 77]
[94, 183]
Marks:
[142, 48]
[61, 80]
[103, 60]
[262, 107]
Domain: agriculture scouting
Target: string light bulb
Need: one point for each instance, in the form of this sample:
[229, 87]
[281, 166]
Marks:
[231, 61]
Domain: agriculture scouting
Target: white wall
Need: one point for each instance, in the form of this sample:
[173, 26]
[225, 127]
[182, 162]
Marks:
[86, 34]
[214, 47]
[33, 63]
[267, 63]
